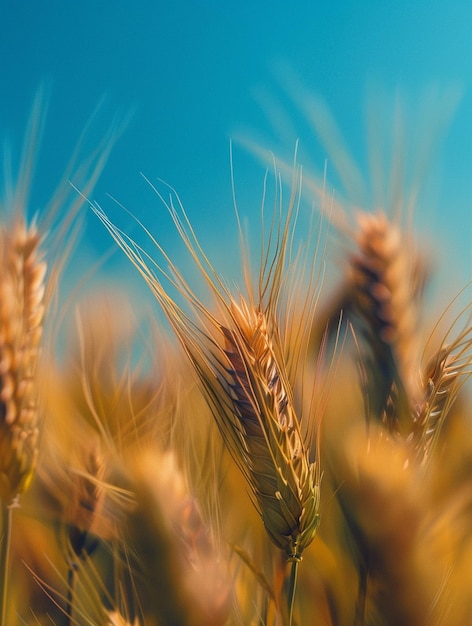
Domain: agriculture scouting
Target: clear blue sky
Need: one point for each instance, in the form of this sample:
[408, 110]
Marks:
[194, 74]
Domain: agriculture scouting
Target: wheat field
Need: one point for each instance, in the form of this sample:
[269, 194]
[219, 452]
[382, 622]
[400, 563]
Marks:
[296, 450]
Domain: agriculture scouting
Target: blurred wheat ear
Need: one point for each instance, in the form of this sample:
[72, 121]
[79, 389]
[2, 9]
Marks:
[385, 292]
[21, 322]
[26, 295]
[182, 571]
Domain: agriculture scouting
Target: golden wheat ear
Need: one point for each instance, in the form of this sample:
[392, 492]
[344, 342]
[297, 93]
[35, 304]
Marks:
[385, 288]
[263, 432]
[21, 322]
[26, 291]
[239, 356]
[22, 287]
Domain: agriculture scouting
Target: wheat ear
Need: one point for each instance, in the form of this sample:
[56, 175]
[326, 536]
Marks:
[263, 432]
[246, 383]
[240, 360]
[21, 322]
[385, 281]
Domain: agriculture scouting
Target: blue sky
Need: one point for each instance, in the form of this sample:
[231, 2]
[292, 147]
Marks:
[191, 75]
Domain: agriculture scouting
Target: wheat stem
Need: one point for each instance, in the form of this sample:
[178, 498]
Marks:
[4, 559]
[291, 589]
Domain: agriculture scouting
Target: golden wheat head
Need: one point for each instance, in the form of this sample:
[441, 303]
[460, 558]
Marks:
[21, 322]
[247, 357]
[259, 422]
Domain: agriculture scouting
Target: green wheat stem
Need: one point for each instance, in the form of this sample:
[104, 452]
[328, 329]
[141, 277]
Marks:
[291, 589]
[4, 560]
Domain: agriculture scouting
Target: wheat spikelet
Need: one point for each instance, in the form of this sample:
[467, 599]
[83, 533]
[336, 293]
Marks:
[21, 322]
